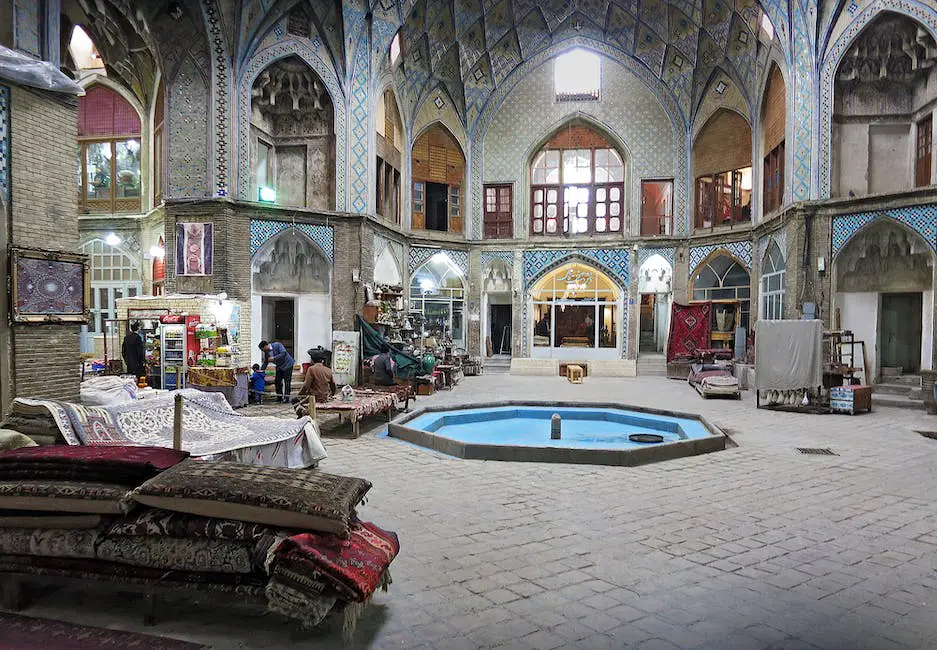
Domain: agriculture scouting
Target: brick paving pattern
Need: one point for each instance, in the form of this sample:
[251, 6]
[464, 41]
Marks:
[757, 546]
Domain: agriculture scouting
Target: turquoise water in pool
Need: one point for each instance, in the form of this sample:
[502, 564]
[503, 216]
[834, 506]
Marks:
[529, 426]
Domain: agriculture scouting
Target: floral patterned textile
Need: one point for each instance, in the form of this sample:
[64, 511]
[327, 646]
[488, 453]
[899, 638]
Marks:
[65, 496]
[210, 427]
[126, 465]
[177, 554]
[309, 608]
[49, 542]
[34, 519]
[354, 566]
[163, 523]
[303, 499]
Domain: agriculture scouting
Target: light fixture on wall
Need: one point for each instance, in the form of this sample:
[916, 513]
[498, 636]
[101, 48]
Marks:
[157, 251]
[112, 239]
[266, 194]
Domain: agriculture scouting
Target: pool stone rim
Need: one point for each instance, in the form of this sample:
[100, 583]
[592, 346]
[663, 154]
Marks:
[716, 441]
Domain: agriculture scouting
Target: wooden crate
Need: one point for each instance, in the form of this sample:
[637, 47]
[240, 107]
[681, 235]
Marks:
[851, 399]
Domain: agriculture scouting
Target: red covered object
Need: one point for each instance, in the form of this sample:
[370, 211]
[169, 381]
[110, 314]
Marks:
[690, 329]
[353, 565]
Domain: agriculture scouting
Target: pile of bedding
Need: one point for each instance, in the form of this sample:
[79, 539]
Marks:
[150, 515]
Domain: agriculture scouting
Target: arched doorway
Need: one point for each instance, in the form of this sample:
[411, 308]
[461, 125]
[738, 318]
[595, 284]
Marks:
[884, 295]
[655, 285]
[497, 309]
[723, 280]
[576, 312]
[292, 137]
[291, 300]
[437, 294]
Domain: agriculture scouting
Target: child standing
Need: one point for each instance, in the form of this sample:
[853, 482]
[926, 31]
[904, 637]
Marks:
[258, 383]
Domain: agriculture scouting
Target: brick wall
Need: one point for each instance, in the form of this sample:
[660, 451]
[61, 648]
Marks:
[44, 214]
[724, 143]
[577, 136]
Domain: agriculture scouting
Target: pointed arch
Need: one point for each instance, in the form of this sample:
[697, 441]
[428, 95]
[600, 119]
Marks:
[655, 275]
[437, 167]
[290, 262]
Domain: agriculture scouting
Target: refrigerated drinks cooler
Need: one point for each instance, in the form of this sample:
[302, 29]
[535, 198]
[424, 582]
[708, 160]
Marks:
[173, 356]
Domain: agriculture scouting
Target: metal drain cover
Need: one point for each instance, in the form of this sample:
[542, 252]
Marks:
[645, 437]
[817, 451]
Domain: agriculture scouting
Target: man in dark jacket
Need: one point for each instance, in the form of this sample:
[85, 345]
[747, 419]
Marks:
[383, 367]
[283, 361]
[133, 352]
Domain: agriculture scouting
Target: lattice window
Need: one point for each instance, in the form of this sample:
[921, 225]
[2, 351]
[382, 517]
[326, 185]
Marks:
[773, 283]
[114, 275]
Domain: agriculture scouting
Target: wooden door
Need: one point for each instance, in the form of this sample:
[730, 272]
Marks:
[900, 331]
[922, 166]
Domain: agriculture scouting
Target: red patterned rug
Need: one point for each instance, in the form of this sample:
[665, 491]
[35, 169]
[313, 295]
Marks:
[690, 329]
[25, 633]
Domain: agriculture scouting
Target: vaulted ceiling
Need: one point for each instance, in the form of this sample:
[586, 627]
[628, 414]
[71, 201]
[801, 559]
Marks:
[470, 47]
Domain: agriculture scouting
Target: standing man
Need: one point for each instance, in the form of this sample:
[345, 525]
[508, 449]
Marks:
[283, 361]
[133, 352]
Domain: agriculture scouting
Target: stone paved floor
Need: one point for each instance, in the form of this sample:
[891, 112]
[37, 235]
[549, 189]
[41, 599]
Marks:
[753, 547]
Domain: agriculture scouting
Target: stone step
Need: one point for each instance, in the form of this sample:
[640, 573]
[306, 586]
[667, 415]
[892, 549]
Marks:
[897, 401]
[894, 389]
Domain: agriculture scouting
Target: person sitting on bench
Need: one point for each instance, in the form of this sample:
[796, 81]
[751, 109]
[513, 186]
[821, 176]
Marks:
[383, 366]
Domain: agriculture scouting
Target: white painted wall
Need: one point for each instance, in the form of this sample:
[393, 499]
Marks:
[859, 313]
[313, 323]
[850, 159]
[888, 158]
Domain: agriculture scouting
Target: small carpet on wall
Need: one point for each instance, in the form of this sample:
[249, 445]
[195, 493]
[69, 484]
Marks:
[690, 329]
[23, 632]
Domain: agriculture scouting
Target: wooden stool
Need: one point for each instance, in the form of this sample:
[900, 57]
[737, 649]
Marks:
[574, 374]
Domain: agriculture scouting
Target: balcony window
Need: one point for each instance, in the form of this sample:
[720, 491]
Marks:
[724, 198]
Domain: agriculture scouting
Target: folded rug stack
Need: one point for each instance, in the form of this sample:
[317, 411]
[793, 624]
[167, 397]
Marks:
[149, 515]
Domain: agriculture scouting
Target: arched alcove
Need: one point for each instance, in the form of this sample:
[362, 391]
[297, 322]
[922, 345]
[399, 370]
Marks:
[387, 268]
[497, 305]
[438, 170]
[884, 294]
[292, 137]
[882, 119]
[722, 168]
[725, 281]
[576, 312]
[772, 140]
[437, 294]
[291, 294]
[655, 286]
[577, 183]
[389, 142]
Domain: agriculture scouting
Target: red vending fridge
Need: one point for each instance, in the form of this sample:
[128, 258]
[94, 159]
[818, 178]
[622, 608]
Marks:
[191, 343]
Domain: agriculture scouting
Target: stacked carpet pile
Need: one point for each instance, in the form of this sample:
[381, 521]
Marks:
[151, 516]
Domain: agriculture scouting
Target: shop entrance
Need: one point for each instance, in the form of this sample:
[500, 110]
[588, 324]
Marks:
[279, 321]
[500, 319]
[900, 332]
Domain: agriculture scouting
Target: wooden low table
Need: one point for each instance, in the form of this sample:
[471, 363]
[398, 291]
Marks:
[365, 403]
[574, 374]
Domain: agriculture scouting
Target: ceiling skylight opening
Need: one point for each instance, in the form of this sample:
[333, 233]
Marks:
[84, 53]
[395, 49]
[767, 29]
[577, 76]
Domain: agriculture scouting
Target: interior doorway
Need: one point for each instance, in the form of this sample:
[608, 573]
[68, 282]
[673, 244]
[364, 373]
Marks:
[279, 321]
[900, 331]
[653, 322]
[500, 323]
[437, 206]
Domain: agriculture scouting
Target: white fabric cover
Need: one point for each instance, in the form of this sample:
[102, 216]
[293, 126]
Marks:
[788, 354]
[107, 391]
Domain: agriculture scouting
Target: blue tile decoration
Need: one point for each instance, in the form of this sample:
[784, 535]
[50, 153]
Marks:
[656, 134]
[308, 51]
[740, 249]
[5, 144]
[505, 256]
[922, 219]
[419, 256]
[644, 254]
[923, 12]
[220, 73]
[189, 132]
[262, 230]
[804, 103]
[358, 136]
[614, 261]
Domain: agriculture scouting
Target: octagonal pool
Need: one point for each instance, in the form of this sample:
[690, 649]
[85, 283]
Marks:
[597, 433]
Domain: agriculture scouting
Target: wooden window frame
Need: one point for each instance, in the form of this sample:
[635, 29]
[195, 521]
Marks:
[498, 223]
[714, 189]
[112, 204]
[773, 180]
[924, 151]
[563, 218]
[656, 224]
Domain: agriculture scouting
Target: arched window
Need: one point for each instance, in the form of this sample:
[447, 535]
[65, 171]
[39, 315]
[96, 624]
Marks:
[437, 292]
[773, 283]
[114, 275]
[774, 123]
[575, 306]
[726, 283]
[109, 141]
[577, 184]
[438, 168]
[722, 164]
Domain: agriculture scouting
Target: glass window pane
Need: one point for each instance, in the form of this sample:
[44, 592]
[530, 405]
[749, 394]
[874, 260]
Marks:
[551, 225]
[551, 211]
[615, 194]
[98, 163]
[614, 209]
[614, 224]
[538, 211]
[600, 194]
[552, 196]
[600, 209]
[600, 225]
[128, 169]
[538, 225]
[538, 195]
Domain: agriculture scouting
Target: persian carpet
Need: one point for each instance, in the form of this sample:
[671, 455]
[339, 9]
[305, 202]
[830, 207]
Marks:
[21, 632]
[690, 329]
[210, 428]
[354, 566]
